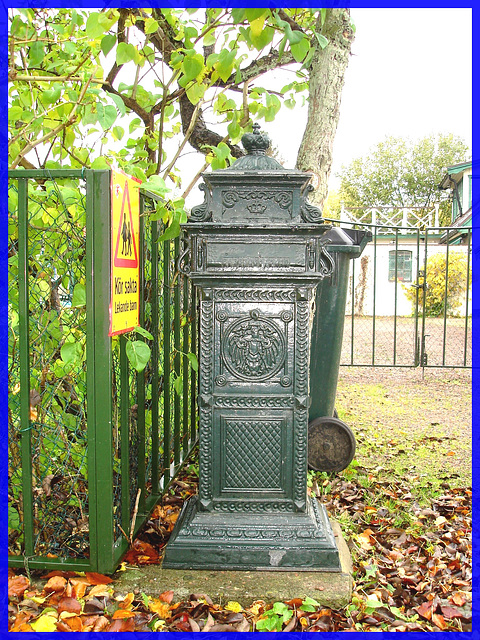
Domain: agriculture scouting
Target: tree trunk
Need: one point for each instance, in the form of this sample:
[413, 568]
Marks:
[327, 76]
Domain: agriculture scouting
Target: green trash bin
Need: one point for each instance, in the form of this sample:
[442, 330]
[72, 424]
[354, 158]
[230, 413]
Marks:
[331, 442]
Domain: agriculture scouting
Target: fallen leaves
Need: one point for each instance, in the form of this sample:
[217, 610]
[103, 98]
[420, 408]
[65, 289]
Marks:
[415, 578]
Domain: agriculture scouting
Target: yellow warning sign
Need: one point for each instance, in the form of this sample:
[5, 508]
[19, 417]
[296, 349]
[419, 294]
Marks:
[125, 285]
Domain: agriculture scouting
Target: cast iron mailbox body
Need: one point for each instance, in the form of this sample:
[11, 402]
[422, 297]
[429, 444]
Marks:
[256, 255]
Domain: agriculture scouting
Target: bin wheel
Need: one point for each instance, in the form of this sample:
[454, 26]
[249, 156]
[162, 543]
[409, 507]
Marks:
[331, 444]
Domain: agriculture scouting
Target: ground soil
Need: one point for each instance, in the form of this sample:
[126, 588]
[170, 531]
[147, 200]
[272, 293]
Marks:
[413, 421]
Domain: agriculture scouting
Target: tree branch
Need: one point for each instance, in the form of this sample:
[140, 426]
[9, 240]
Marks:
[54, 132]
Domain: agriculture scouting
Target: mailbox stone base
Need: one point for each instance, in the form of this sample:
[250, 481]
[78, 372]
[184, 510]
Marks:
[246, 541]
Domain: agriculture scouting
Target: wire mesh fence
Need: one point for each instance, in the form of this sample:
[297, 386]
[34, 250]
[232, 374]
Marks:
[91, 448]
[51, 351]
[409, 300]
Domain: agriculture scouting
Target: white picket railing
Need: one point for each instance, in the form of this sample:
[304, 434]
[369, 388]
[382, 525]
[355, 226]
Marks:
[388, 218]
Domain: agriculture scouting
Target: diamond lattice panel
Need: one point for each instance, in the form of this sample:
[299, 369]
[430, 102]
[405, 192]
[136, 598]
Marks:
[253, 454]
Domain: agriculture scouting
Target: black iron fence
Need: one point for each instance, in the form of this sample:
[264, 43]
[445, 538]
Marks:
[92, 442]
[409, 301]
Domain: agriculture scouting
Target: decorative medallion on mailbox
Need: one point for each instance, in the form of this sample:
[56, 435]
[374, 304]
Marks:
[253, 348]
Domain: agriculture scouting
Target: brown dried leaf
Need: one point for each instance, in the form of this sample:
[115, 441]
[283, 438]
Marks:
[17, 585]
[243, 626]
[69, 604]
[121, 625]
[291, 624]
[208, 624]
[222, 627]
[425, 610]
[95, 623]
[458, 599]
[55, 584]
[193, 625]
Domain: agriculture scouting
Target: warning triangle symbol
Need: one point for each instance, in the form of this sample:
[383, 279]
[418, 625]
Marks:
[126, 248]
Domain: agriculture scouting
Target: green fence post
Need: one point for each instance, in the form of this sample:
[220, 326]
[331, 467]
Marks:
[24, 355]
[99, 380]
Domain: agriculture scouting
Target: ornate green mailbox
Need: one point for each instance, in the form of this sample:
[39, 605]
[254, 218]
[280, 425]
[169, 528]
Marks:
[256, 250]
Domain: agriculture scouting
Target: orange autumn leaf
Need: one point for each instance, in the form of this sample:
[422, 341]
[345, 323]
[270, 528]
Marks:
[79, 586]
[166, 596]
[439, 621]
[121, 614]
[99, 590]
[365, 539]
[97, 578]
[74, 623]
[126, 602]
[458, 599]
[22, 618]
[160, 607]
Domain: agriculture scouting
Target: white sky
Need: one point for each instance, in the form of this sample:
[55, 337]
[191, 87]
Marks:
[410, 75]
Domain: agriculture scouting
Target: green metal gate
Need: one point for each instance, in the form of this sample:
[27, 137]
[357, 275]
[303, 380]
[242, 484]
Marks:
[93, 444]
[387, 322]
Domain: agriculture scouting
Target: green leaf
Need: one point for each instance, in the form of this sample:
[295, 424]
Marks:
[193, 361]
[256, 25]
[255, 13]
[49, 96]
[13, 518]
[79, 297]
[125, 53]
[171, 232]
[108, 42]
[263, 39]
[138, 354]
[195, 92]
[71, 352]
[119, 104]
[36, 53]
[322, 40]
[178, 385]
[106, 115]
[300, 50]
[156, 184]
[294, 37]
[225, 64]
[100, 163]
[234, 129]
[94, 27]
[192, 66]
[151, 25]
[281, 47]
[143, 332]
[238, 15]
[14, 113]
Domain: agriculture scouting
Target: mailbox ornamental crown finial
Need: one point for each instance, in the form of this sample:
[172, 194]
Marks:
[256, 143]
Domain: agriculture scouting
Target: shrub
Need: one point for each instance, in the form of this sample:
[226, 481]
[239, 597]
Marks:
[438, 298]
